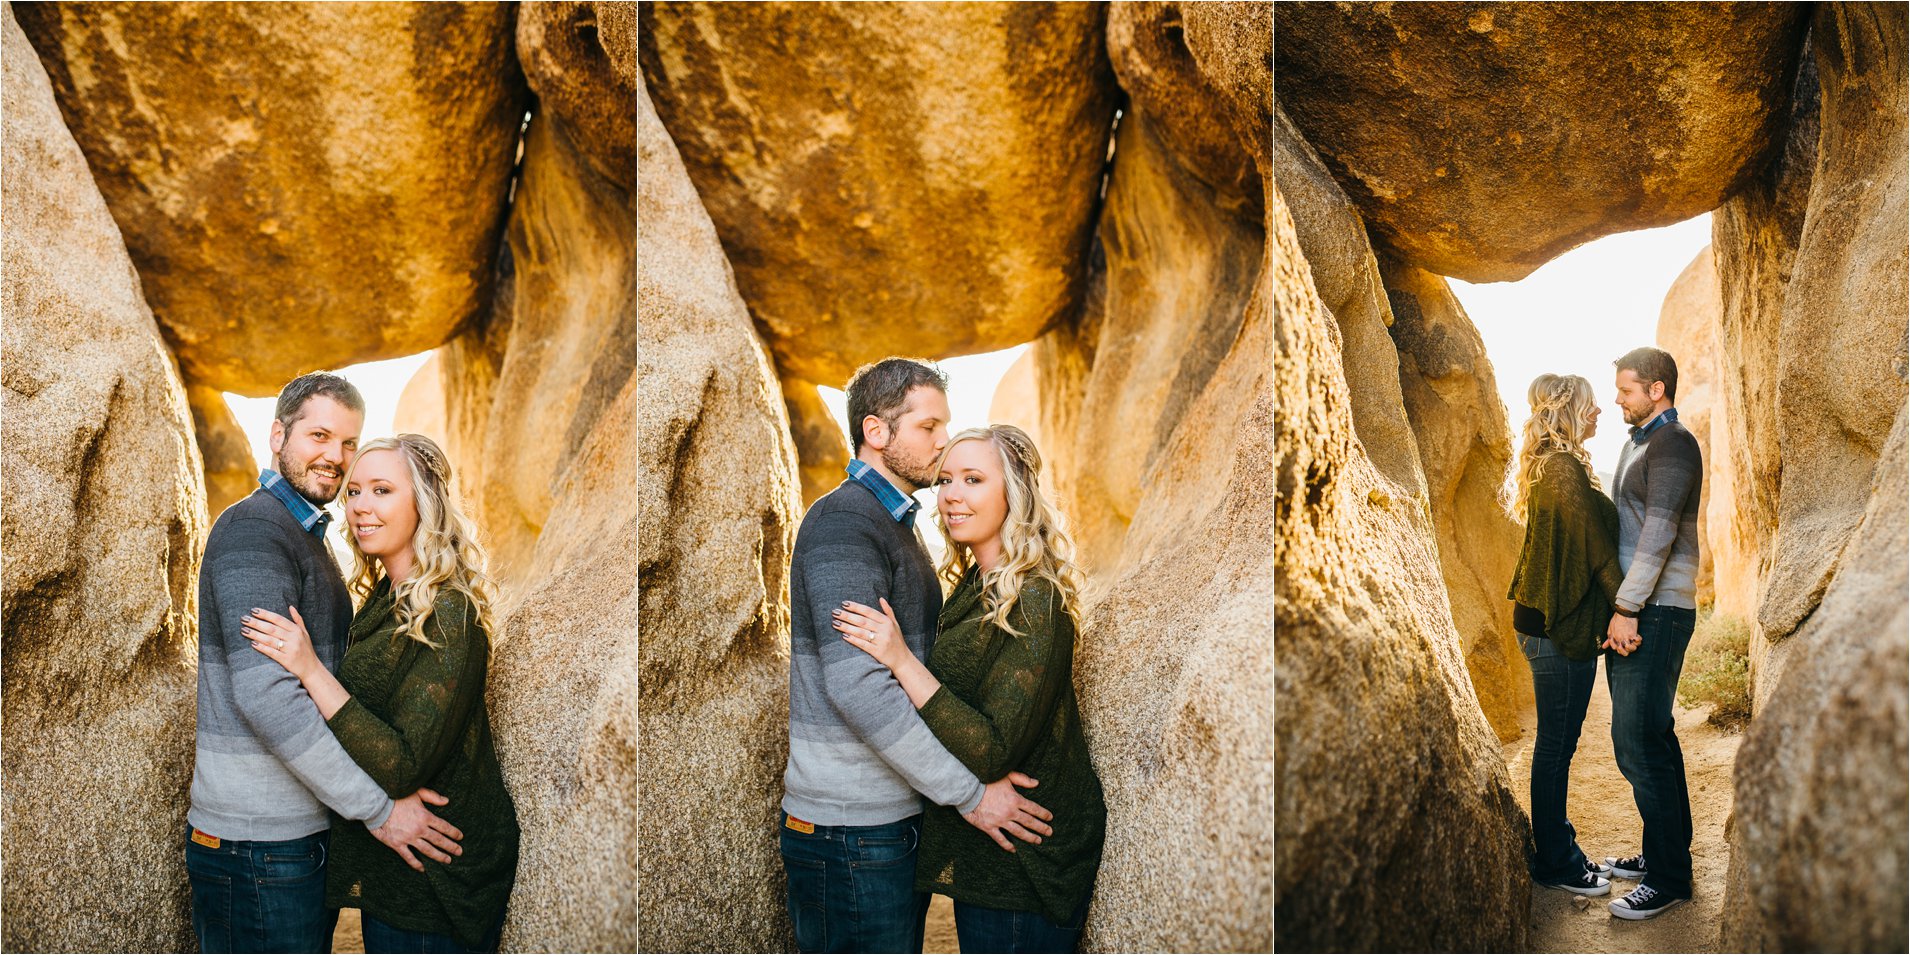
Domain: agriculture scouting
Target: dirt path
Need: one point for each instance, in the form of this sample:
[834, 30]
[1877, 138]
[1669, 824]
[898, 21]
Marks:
[1601, 808]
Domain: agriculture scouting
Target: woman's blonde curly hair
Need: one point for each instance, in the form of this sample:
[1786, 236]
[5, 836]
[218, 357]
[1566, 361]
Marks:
[1561, 411]
[1034, 535]
[445, 547]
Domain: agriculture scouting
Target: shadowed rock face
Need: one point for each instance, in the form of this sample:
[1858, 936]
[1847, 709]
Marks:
[1459, 424]
[1440, 119]
[1383, 838]
[337, 170]
[582, 61]
[718, 493]
[1817, 849]
[104, 517]
[890, 179]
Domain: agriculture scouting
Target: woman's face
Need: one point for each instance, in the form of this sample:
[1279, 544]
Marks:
[1591, 423]
[380, 506]
[972, 495]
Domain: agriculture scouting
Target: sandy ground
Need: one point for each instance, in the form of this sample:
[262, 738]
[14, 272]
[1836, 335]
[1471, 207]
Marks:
[1601, 809]
[939, 936]
[349, 937]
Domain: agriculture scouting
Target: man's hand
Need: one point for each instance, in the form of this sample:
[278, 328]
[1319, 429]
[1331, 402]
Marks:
[1622, 634]
[412, 826]
[1004, 808]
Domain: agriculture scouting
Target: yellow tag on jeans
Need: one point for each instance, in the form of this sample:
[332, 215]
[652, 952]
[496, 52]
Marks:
[808, 828]
[205, 839]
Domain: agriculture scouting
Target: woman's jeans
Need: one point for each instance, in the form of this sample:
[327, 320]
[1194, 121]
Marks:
[1645, 741]
[980, 929]
[852, 888]
[260, 896]
[1562, 689]
[381, 938]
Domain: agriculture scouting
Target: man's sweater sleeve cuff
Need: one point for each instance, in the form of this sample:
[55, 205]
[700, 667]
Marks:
[378, 821]
[968, 805]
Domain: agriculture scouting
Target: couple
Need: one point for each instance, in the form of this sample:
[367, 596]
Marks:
[306, 707]
[1616, 574]
[898, 695]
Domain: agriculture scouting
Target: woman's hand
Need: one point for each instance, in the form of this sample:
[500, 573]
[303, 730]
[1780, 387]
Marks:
[285, 641]
[878, 635]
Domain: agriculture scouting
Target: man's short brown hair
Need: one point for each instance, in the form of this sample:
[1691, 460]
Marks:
[1652, 364]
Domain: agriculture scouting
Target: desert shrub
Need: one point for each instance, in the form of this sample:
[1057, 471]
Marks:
[1718, 668]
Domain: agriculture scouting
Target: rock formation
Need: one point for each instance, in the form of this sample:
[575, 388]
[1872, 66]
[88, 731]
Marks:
[1383, 838]
[1459, 426]
[340, 170]
[104, 519]
[230, 472]
[822, 447]
[421, 405]
[1017, 398]
[717, 488]
[1474, 186]
[1817, 263]
[1688, 329]
[890, 179]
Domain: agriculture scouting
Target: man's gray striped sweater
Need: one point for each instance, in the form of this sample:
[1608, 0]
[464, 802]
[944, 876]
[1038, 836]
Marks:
[266, 766]
[1656, 489]
[858, 751]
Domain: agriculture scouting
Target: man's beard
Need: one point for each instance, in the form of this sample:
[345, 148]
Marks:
[917, 474]
[302, 480]
[1636, 418]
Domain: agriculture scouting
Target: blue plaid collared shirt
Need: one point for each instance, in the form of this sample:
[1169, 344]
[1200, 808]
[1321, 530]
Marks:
[900, 506]
[1640, 433]
[309, 516]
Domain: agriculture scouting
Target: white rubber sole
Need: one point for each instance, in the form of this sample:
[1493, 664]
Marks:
[1604, 888]
[1627, 912]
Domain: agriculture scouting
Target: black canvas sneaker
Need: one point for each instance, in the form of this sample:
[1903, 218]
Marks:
[1642, 903]
[1586, 884]
[1630, 867]
[1599, 869]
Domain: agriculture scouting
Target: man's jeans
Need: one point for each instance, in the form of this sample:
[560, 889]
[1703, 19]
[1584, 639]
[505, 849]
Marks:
[852, 888]
[1562, 689]
[380, 937]
[981, 929]
[260, 896]
[1642, 686]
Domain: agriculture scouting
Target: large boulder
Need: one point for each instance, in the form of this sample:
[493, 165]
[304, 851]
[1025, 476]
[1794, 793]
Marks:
[1156, 415]
[1818, 859]
[1817, 262]
[891, 178]
[822, 446]
[1394, 823]
[104, 520]
[336, 171]
[1436, 117]
[1688, 329]
[574, 52]
[717, 487]
[1465, 446]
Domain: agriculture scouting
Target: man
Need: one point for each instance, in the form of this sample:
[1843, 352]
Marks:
[266, 767]
[858, 751]
[1656, 489]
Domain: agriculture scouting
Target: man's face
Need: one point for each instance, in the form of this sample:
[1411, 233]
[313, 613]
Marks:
[1634, 397]
[313, 454]
[919, 435]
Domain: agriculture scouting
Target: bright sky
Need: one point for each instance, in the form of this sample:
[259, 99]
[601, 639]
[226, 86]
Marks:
[971, 387]
[1577, 314]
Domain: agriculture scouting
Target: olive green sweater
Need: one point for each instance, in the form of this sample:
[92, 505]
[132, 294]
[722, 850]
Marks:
[1568, 566]
[1007, 703]
[417, 718]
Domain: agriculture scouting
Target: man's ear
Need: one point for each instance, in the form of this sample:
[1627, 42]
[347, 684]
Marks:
[278, 435]
[875, 432]
[1657, 390]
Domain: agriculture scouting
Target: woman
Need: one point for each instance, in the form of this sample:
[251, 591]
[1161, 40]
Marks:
[408, 703]
[1563, 589]
[998, 692]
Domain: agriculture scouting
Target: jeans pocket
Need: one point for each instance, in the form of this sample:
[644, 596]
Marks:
[211, 906]
[886, 849]
[292, 864]
[808, 902]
